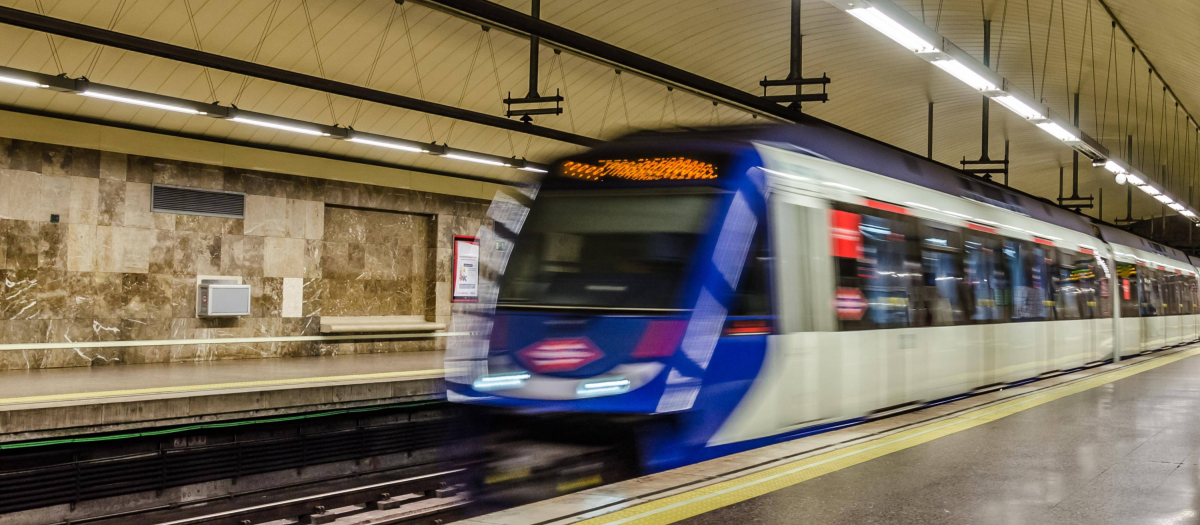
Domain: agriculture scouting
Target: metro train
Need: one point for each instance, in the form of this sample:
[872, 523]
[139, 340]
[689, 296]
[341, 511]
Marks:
[672, 297]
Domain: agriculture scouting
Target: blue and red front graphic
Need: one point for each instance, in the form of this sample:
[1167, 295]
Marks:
[562, 354]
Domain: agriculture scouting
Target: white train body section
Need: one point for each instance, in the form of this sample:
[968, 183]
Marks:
[814, 373]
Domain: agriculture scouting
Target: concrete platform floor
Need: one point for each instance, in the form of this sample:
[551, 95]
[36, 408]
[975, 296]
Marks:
[1127, 452]
[44, 403]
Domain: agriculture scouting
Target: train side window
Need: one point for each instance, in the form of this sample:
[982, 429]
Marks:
[872, 268]
[1026, 304]
[941, 264]
[752, 298]
[988, 297]
[1074, 285]
[1129, 290]
[1043, 282]
[1150, 303]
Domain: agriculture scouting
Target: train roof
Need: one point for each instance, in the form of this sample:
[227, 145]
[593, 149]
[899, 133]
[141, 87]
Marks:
[819, 138]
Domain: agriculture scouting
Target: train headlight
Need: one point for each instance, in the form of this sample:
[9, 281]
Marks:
[500, 382]
[603, 387]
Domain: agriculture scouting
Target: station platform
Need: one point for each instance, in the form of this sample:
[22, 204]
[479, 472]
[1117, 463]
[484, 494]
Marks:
[55, 403]
[1118, 443]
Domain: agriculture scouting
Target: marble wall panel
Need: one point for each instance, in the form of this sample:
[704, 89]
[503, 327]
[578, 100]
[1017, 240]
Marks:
[242, 255]
[26, 156]
[21, 244]
[55, 199]
[66, 161]
[84, 200]
[113, 166]
[111, 203]
[137, 205]
[21, 198]
[112, 270]
[52, 245]
[283, 257]
[266, 216]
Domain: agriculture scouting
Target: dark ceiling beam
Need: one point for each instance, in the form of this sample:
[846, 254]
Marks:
[56, 26]
[495, 15]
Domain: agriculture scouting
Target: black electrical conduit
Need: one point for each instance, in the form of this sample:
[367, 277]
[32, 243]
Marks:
[77, 31]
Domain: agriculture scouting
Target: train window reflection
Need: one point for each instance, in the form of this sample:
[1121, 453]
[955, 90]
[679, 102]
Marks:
[607, 248]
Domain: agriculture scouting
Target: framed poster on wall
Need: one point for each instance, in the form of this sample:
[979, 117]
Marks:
[466, 269]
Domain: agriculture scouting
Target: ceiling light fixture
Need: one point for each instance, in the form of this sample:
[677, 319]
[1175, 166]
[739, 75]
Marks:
[476, 160]
[965, 74]
[1022, 109]
[142, 102]
[282, 127]
[387, 144]
[892, 29]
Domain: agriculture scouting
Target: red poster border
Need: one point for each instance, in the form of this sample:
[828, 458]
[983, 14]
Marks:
[453, 276]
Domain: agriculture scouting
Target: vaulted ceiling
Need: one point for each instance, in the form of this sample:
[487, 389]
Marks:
[1049, 48]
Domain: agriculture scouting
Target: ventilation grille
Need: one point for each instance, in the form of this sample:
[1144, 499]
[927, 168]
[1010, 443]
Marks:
[189, 201]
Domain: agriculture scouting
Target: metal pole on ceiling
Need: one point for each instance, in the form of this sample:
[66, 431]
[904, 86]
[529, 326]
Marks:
[535, 11]
[929, 134]
[96, 35]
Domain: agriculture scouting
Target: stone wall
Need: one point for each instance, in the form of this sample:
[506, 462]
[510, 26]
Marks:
[112, 270]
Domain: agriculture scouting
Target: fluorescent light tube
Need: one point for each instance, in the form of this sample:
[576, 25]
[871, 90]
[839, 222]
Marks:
[1020, 108]
[284, 127]
[389, 145]
[143, 103]
[476, 160]
[892, 29]
[1134, 179]
[533, 169]
[1176, 206]
[1188, 213]
[1058, 131]
[21, 82]
[964, 73]
[1111, 165]
[1163, 198]
[1150, 190]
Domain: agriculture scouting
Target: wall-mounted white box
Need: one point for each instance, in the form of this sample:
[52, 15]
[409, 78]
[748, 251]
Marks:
[222, 297]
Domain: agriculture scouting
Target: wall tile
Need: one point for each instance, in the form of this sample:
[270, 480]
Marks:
[16, 201]
[160, 297]
[313, 300]
[52, 292]
[292, 297]
[81, 296]
[297, 219]
[52, 245]
[55, 199]
[113, 166]
[64, 161]
[312, 259]
[140, 169]
[135, 290]
[135, 245]
[84, 200]
[186, 254]
[26, 156]
[266, 216]
[162, 253]
[5, 145]
[20, 295]
[208, 256]
[21, 245]
[137, 205]
[283, 257]
[242, 255]
[111, 203]
[109, 295]
[3, 247]
[183, 302]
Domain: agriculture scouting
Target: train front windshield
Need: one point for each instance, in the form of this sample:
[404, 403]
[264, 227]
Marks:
[611, 249]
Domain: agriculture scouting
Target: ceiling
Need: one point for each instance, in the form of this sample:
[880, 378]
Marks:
[878, 88]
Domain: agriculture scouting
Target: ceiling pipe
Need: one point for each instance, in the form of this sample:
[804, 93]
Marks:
[495, 15]
[77, 31]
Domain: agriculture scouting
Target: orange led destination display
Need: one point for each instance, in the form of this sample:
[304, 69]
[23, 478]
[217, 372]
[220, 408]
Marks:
[669, 168]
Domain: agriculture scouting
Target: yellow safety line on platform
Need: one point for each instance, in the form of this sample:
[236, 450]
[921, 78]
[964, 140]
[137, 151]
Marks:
[74, 396]
[688, 504]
